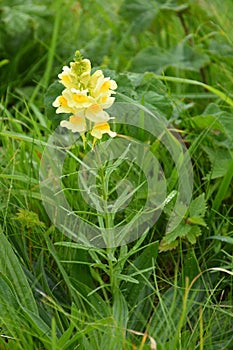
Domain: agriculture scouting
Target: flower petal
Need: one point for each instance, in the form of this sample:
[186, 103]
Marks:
[75, 124]
[96, 115]
[100, 129]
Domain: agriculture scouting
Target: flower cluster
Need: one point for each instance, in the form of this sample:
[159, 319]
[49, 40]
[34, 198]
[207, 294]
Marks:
[85, 97]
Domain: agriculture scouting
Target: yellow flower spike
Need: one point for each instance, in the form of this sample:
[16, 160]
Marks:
[85, 97]
[78, 56]
[81, 67]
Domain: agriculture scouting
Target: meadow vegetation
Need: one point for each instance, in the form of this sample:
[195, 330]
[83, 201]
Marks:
[164, 291]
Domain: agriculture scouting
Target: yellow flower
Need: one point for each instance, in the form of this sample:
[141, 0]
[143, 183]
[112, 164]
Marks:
[86, 97]
[75, 124]
[100, 129]
[67, 78]
[77, 76]
[105, 86]
[99, 85]
[62, 105]
[96, 114]
[77, 99]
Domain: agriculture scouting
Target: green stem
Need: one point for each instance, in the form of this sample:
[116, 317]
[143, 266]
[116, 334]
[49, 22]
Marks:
[108, 224]
[51, 52]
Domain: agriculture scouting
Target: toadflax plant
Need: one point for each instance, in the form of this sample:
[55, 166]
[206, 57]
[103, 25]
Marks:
[105, 211]
[85, 97]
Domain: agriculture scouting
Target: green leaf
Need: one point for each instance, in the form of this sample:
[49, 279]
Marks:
[139, 12]
[115, 338]
[190, 267]
[223, 188]
[220, 159]
[20, 17]
[224, 239]
[10, 266]
[164, 246]
[137, 295]
[120, 310]
[12, 311]
[164, 321]
[142, 262]
[198, 206]
[169, 6]
[180, 231]
[207, 122]
[153, 59]
[176, 216]
[4, 62]
[196, 220]
[223, 119]
[8, 302]
[193, 233]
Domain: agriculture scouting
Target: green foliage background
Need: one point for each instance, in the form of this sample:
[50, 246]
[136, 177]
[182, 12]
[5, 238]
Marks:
[174, 57]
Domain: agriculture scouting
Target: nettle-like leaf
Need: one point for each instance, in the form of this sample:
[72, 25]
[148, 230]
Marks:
[189, 228]
[18, 18]
[182, 56]
[193, 233]
[220, 159]
[141, 13]
[146, 89]
[216, 120]
[219, 125]
[198, 206]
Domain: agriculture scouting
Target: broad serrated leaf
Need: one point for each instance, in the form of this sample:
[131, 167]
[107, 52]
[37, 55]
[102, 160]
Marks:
[196, 220]
[147, 89]
[222, 117]
[164, 246]
[198, 206]
[180, 231]
[154, 59]
[207, 122]
[140, 13]
[219, 158]
[177, 216]
[21, 17]
[193, 233]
